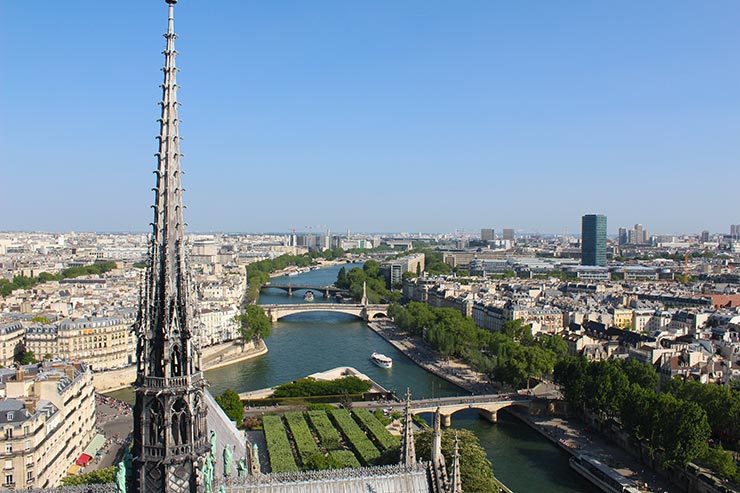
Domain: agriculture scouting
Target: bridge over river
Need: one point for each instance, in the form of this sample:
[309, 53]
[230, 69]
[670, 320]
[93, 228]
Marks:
[360, 310]
[487, 405]
[290, 288]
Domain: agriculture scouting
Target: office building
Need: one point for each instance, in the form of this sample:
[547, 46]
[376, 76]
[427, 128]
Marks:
[593, 240]
[508, 234]
[486, 234]
[623, 237]
[394, 269]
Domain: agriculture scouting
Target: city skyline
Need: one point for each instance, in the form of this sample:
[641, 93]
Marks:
[545, 101]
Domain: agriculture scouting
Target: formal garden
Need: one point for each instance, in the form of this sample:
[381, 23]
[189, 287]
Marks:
[328, 439]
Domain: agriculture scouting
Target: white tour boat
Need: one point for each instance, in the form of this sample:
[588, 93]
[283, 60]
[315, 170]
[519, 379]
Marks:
[603, 476]
[381, 360]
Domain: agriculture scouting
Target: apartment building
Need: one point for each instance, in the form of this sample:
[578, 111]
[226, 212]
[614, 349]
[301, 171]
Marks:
[11, 339]
[103, 343]
[47, 414]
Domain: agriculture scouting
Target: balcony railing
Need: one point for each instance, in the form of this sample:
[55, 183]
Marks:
[172, 382]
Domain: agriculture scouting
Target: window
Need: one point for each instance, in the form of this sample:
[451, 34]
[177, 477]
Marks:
[8, 433]
[8, 448]
[8, 479]
[10, 416]
[29, 477]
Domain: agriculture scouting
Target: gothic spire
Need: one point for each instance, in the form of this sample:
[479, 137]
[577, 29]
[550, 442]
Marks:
[455, 479]
[169, 439]
[439, 469]
[168, 314]
[408, 449]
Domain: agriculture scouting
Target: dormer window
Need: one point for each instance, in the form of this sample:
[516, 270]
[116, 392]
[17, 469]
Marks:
[9, 416]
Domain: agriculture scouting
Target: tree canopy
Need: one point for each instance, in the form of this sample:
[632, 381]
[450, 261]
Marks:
[254, 323]
[476, 470]
[677, 428]
[232, 405]
[308, 387]
[101, 476]
[512, 356]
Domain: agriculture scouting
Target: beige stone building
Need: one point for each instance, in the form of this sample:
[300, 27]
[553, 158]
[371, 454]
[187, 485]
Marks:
[102, 343]
[11, 338]
[622, 317]
[47, 414]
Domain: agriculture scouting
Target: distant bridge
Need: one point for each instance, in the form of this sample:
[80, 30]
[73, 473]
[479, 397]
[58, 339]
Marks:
[289, 288]
[365, 312]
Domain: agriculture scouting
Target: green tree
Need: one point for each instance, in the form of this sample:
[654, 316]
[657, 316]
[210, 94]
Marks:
[519, 331]
[720, 461]
[101, 476]
[22, 356]
[606, 386]
[254, 323]
[342, 281]
[232, 405]
[640, 373]
[555, 344]
[476, 470]
[686, 431]
[570, 374]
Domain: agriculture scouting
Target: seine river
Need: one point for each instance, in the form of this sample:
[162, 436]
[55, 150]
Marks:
[307, 343]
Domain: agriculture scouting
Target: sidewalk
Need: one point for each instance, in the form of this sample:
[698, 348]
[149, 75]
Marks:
[574, 437]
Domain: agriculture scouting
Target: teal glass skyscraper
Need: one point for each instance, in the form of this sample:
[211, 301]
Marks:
[593, 240]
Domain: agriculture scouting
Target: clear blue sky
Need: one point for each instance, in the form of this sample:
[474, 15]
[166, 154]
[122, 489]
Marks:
[414, 115]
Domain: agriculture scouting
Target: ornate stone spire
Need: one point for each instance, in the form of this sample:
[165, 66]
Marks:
[169, 415]
[439, 469]
[455, 479]
[408, 449]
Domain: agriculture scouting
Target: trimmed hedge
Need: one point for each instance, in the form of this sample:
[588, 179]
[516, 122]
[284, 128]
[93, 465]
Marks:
[329, 436]
[345, 458]
[305, 387]
[278, 446]
[376, 429]
[302, 436]
[360, 442]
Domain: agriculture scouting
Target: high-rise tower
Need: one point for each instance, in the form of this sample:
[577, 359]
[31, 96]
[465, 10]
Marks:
[170, 411]
[593, 240]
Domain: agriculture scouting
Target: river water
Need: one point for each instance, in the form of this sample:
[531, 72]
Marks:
[311, 342]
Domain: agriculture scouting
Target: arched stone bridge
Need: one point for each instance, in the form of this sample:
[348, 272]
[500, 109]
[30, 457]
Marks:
[366, 312]
[487, 405]
[290, 288]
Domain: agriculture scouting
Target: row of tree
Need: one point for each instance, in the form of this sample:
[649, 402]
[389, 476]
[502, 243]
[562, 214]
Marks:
[27, 282]
[672, 424]
[512, 356]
